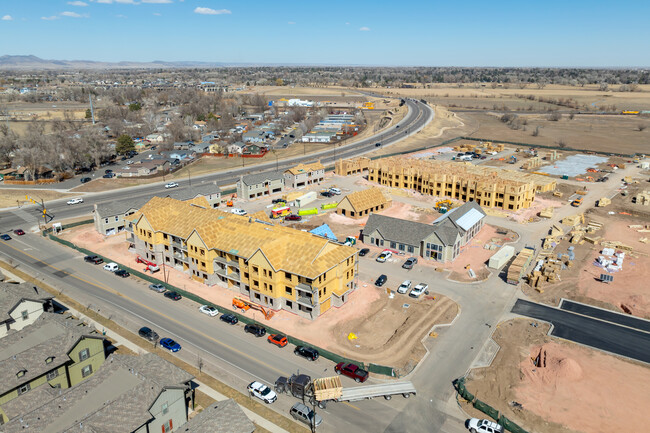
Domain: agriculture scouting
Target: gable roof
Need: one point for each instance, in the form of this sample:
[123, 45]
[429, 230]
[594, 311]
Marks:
[324, 231]
[257, 178]
[220, 417]
[12, 294]
[305, 168]
[366, 199]
[398, 230]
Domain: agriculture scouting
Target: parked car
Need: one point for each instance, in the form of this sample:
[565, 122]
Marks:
[381, 280]
[278, 339]
[173, 296]
[418, 290]
[157, 288]
[255, 329]
[169, 344]
[238, 211]
[377, 144]
[278, 200]
[385, 255]
[263, 392]
[209, 310]
[19, 232]
[85, 179]
[108, 176]
[5, 237]
[335, 191]
[293, 217]
[404, 287]
[108, 171]
[111, 267]
[352, 371]
[476, 425]
[306, 352]
[327, 194]
[302, 413]
[75, 201]
[363, 251]
[96, 260]
[122, 273]
[410, 262]
[148, 334]
[229, 318]
[171, 185]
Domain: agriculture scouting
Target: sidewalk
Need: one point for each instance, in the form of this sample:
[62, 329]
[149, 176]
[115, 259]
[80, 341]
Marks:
[119, 340]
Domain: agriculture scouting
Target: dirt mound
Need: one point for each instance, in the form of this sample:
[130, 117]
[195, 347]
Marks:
[547, 365]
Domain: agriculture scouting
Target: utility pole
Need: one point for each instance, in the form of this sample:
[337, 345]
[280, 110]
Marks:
[92, 110]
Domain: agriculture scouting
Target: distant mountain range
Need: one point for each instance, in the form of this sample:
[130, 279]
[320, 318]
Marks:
[34, 63]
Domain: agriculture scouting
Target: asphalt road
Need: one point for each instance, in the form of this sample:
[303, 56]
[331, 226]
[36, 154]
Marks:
[606, 315]
[597, 333]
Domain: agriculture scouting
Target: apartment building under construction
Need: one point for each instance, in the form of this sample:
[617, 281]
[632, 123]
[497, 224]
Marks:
[487, 186]
[247, 254]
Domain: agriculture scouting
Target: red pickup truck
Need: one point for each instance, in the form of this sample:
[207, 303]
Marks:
[351, 370]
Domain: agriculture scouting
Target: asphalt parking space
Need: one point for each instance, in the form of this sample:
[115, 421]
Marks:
[608, 316]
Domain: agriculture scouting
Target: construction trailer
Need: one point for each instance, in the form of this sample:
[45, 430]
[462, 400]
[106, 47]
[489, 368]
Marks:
[321, 391]
[305, 199]
[519, 264]
[501, 257]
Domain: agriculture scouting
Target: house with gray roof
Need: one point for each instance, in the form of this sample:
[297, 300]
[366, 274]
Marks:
[55, 351]
[21, 305]
[220, 417]
[260, 184]
[110, 217]
[441, 241]
[139, 394]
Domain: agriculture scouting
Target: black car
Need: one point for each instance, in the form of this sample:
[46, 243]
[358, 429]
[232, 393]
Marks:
[122, 273]
[256, 330]
[229, 318]
[327, 194]
[109, 171]
[108, 176]
[377, 144]
[148, 334]
[85, 179]
[94, 259]
[173, 295]
[306, 352]
[381, 280]
[410, 262]
[278, 200]
[363, 251]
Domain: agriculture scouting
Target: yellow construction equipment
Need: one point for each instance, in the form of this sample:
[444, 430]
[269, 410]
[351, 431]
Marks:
[443, 206]
[245, 305]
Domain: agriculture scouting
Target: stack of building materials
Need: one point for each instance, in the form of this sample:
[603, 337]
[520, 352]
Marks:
[603, 202]
[519, 265]
[557, 194]
[533, 162]
[573, 220]
[547, 212]
[552, 155]
[642, 198]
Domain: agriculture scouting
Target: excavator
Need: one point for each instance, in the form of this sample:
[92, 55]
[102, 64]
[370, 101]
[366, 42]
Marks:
[229, 203]
[443, 206]
[244, 305]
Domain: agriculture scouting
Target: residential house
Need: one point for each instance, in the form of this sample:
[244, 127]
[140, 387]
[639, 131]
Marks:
[183, 145]
[304, 174]
[155, 138]
[236, 147]
[7, 172]
[140, 394]
[209, 138]
[112, 217]
[55, 351]
[258, 185]
[441, 241]
[361, 203]
[248, 255]
[21, 305]
[224, 416]
[254, 136]
[254, 149]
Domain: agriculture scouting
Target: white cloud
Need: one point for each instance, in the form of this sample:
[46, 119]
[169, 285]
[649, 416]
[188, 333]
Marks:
[364, 29]
[78, 3]
[126, 2]
[347, 24]
[159, 2]
[291, 22]
[7, 18]
[53, 17]
[120, 16]
[156, 14]
[208, 11]
[73, 15]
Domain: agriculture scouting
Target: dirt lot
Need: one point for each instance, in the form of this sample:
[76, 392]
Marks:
[581, 282]
[573, 388]
[397, 345]
[16, 197]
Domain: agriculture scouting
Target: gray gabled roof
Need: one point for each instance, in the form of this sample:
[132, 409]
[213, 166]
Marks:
[398, 230]
[254, 179]
[220, 417]
[12, 294]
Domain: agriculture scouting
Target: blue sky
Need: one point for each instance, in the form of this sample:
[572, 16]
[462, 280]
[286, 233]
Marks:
[359, 32]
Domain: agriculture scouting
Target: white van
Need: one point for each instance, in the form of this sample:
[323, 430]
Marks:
[335, 191]
[111, 267]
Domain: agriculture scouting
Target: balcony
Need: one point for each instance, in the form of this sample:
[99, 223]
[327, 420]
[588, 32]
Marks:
[221, 260]
[235, 276]
[303, 300]
[305, 288]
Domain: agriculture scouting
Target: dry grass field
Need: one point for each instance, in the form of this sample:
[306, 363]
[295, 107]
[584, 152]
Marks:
[16, 197]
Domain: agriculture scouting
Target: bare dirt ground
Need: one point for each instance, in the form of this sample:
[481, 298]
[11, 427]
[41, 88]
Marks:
[572, 389]
[397, 345]
[16, 197]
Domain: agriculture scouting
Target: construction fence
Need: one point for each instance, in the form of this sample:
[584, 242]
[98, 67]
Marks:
[493, 413]
[334, 357]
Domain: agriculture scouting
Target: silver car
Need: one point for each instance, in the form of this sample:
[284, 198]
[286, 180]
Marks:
[157, 288]
[404, 287]
[418, 290]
